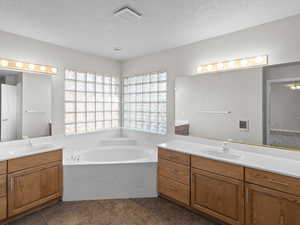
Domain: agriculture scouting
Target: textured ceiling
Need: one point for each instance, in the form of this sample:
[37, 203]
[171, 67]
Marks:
[90, 26]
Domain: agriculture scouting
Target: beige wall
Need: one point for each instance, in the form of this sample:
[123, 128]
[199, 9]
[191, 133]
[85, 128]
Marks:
[279, 39]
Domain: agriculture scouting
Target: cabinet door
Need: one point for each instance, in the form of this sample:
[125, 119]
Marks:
[265, 206]
[33, 187]
[218, 196]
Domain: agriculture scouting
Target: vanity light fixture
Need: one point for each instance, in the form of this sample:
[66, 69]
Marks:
[22, 66]
[233, 64]
[294, 86]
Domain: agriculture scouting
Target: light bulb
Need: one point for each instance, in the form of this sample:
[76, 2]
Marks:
[298, 87]
[231, 63]
[293, 87]
[220, 65]
[31, 66]
[259, 59]
[244, 62]
[19, 64]
[42, 68]
[209, 67]
[54, 70]
[199, 69]
[4, 62]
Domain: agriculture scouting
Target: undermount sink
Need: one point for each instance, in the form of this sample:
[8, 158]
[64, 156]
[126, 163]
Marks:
[226, 155]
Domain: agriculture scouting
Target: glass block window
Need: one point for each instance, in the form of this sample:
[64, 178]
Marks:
[145, 102]
[91, 102]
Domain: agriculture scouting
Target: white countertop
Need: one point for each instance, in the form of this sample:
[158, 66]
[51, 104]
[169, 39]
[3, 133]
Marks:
[263, 161]
[12, 151]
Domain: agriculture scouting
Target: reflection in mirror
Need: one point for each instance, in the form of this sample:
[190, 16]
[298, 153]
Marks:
[25, 105]
[256, 106]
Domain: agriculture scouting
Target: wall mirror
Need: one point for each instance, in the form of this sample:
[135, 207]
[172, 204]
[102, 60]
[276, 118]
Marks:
[258, 106]
[25, 105]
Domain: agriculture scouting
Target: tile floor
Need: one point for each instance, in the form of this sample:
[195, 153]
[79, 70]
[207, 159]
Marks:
[151, 211]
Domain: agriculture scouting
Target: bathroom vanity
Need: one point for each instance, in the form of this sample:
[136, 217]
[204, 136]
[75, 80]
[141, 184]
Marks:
[29, 181]
[234, 191]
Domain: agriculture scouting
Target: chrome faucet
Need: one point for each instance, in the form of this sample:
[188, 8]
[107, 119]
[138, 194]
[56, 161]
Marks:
[30, 142]
[225, 147]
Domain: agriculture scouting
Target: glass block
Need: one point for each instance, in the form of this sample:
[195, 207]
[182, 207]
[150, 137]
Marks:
[90, 127]
[115, 115]
[139, 88]
[107, 97]
[153, 97]
[80, 127]
[146, 107]
[154, 127]
[162, 97]
[107, 106]
[70, 107]
[80, 107]
[91, 77]
[132, 89]
[90, 87]
[125, 89]
[139, 98]
[126, 123]
[126, 115]
[139, 125]
[99, 125]
[132, 116]
[125, 81]
[132, 124]
[146, 126]
[146, 87]
[69, 74]
[115, 106]
[81, 86]
[80, 96]
[139, 107]
[107, 80]
[114, 80]
[114, 89]
[80, 117]
[162, 117]
[126, 107]
[132, 98]
[69, 96]
[131, 80]
[81, 76]
[107, 88]
[70, 128]
[99, 87]
[162, 76]
[162, 107]
[90, 117]
[70, 85]
[99, 78]
[162, 86]
[126, 98]
[154, 117]
[153, 87]
[107, 115]
[146, 97]
[146, 79]
[70, 118]
[90, 107]
[154, 107]
[154, 77]
[99, 116]
[115, 123]
[132, 107]
[107, 124]
[139, 79]
[146, 116]
[91, 97]
[139, 116]
[99, 106]
[115, 98]
[99, 97]
[162, 128]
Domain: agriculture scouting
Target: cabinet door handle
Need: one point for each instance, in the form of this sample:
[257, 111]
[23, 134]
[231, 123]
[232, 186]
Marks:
[11, 185]
[278, 182]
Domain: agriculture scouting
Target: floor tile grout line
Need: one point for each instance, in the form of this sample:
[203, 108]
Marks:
[43, 218]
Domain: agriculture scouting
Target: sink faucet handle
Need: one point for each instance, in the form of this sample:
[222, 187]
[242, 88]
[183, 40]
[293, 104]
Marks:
[225, 147]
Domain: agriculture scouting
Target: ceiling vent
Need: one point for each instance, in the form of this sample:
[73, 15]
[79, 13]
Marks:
[128, 14]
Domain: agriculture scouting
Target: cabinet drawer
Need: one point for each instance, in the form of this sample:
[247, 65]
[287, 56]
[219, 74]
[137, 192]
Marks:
[3, 167]
[174, 171]
[221, 168]
[274, 181]
[174, 156]
[2, 185]
[33, 160]
[174, 190]
[3, 208]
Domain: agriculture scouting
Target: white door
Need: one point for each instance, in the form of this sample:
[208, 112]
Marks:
[8, 112]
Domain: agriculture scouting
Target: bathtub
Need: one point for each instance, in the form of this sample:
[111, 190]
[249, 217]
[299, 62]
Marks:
[116, 169]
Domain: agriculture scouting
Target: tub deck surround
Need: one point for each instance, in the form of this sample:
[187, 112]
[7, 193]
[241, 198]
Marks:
[286, 163]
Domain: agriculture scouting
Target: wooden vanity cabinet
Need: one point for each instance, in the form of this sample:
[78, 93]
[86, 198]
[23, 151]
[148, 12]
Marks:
[3, 190]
